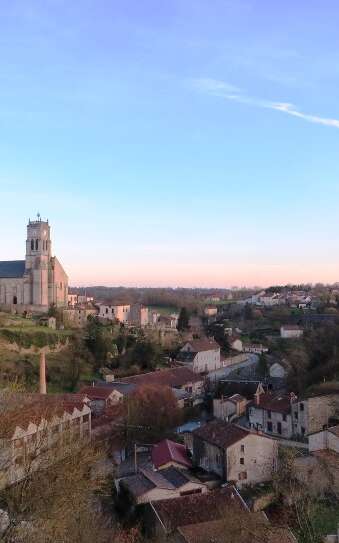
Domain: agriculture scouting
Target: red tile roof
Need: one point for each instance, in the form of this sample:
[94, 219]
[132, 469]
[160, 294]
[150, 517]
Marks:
[204, 344]
[220, 433]
[279, 403]
[169, 451]
[175, 377]
[196, 508]
[35, 411]
[97, 393]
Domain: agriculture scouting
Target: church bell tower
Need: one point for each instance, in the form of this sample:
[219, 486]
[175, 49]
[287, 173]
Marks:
[38, 253]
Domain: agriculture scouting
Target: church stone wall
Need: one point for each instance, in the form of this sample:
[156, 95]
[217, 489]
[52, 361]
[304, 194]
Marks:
[12, 291]
[58, 284]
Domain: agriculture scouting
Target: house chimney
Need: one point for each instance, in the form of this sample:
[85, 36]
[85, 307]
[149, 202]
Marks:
[43, 373]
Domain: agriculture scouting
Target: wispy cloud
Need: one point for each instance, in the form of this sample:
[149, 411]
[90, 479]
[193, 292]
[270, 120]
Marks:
[227, 91]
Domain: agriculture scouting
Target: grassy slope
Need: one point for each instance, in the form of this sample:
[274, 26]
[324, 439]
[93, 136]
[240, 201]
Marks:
[15, 365]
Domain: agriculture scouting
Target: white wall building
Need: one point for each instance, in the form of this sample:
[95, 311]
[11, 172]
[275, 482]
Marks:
[120, 312]
[291, 331]
[205, 354]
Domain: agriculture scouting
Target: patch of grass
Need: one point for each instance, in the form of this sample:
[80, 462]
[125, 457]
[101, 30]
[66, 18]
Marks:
[325, 518]
[34, 336]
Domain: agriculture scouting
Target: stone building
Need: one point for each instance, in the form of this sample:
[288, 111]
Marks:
[39, 431]
[39, 281]
[234, 453]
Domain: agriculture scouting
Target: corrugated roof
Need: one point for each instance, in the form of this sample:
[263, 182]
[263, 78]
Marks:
[12, 269]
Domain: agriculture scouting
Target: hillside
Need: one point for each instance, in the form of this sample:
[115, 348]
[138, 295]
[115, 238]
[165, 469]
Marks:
[20, 343]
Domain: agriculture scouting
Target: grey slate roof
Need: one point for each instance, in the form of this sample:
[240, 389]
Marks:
[10, 269]
[174, 476]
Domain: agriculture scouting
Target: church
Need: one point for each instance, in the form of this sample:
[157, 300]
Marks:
[39, 281]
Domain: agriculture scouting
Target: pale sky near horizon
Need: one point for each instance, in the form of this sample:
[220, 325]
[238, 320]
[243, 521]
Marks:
[187, 142]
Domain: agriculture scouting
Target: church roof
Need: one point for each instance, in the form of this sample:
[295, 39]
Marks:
[12, 269]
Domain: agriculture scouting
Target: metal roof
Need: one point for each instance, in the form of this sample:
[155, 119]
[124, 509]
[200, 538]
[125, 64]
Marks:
[12, 269]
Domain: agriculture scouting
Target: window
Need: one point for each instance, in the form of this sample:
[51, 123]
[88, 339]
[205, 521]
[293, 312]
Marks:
[302, 430]
[32, 244]
[269, 427]
[36, 244]
[242, 461]
[19, 460]
[296, 415]
[284, 418]
[242, 448]
[301, 407]
[18, 443]
[269, 414]
[279, 428]
[55, 429]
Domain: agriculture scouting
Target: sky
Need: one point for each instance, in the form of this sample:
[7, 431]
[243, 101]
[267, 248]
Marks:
[175, 143]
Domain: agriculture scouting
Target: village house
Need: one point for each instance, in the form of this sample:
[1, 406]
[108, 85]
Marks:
[235, 343]
[103, 396]
[39, 431]
[327, 439]
[291, 331]
[320, 469]
[77, 317]
[314, 413]
[244, 387]
[227, 408]
[190, 519]
[139, 315]
[165, 518]
[168, 453]
[167, 322]
[210, 311]
[234, 453]
[180, 379]
[120, 312]
[272, 413]
[202, 354]
[148, 485]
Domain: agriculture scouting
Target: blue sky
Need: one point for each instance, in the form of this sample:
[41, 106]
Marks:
[173, 143]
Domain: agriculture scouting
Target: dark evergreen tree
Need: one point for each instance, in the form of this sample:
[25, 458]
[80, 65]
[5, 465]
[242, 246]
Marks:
[183, 320]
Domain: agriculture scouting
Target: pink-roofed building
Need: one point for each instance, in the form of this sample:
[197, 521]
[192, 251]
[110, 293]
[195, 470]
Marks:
[168, 453]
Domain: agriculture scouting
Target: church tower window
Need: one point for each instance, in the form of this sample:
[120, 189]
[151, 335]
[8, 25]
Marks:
[36, 244]
[32, 244]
